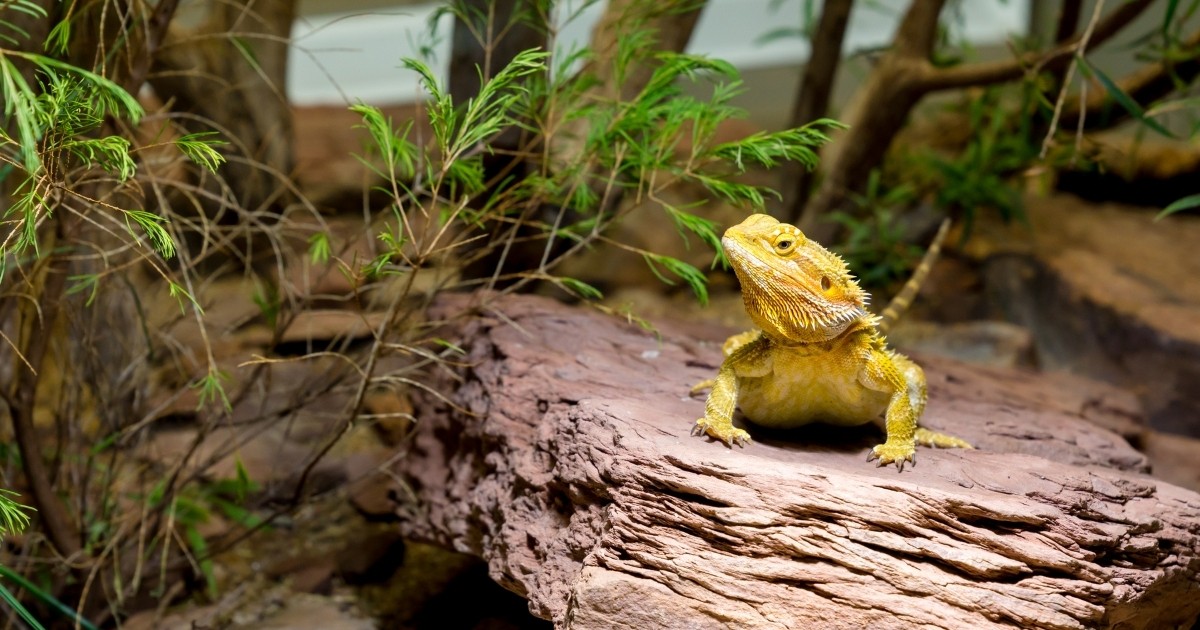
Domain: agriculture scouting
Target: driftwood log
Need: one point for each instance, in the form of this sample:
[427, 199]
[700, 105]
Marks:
[563, 457]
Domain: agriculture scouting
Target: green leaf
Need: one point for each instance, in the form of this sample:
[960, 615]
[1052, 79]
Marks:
[1121, 97]
[46, 598]
[318, 248]
[7, 597]
[199, 547]
[58, 40]
[180, 294]
[269, 302]
[688, 273]
[112, 97]
[85, 282]
[581, 289]
[1179, 205]
[245, 485]
[211, 389]
[450, 346]
[199, 148]
[151, 223]
[687, 222]
[13, 518]
[20, 105]
[247, 52]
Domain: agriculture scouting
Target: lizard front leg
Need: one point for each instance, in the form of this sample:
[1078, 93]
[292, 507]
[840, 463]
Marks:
[914, 377]
[730, 346]
[905, 403]
[752, 358]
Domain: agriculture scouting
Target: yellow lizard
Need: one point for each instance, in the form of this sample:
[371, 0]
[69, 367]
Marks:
[818, 354]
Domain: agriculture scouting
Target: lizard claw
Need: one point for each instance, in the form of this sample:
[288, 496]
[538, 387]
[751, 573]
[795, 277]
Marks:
[724, 432]
[892, 452]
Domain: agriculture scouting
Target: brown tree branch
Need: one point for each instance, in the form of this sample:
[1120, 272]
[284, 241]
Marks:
[158, 23]
[55, 520]
[875, 114]
[1000, 71]
[918, 30]
[1068, 20]
[903, 76]
[1145, 85]
[812, 95]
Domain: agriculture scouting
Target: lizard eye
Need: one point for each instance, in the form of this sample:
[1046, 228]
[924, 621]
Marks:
[825, 283]
[785, 245]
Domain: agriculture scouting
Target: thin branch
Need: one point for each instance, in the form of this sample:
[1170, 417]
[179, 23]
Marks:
[1000, 71]
[1144, 85]
[1068, 20]
[918, 30]
[57, 523]
[1066, 84]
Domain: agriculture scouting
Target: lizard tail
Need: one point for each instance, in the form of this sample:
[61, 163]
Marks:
[904, 298]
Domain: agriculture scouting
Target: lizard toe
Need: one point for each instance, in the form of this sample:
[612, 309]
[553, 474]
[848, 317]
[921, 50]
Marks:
[725, 432]
[893, 453]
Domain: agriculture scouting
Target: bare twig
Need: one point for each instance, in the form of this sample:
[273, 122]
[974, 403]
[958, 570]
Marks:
[1145, 85]
[1009, 70]
[158, 23]
[54, 517]
[1066, 84]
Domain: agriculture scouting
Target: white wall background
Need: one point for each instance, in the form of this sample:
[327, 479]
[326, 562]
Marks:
[341, 58]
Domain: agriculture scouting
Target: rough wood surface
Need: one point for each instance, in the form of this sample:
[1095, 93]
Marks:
[566, 462]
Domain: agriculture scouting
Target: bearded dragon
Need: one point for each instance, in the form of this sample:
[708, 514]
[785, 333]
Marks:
[818, 354]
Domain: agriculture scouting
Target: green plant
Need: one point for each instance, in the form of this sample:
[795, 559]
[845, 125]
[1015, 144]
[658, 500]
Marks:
[875, 245]
[621, 148]
[14, 519]
[94, 218]
[979, 177]
[194, 505]
[77, 216]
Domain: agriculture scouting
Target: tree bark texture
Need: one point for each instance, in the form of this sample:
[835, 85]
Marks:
[563, 456]
[816, 85]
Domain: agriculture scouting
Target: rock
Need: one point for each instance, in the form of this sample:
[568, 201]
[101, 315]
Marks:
[564, 458]
[1173, 458]
[304, 612]
[1108, 293]
[273, 610]
[998, 344]
[370, 490]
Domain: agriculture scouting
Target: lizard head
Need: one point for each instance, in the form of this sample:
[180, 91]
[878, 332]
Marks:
[794, 289]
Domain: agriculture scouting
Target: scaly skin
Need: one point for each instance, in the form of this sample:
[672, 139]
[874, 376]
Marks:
[817, 354]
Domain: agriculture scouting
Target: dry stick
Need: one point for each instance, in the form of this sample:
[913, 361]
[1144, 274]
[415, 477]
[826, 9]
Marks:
[1080, 50]
[812, 96]
[159, 20]
[58, 525]
[1150, 82]
[986, 73]
[361, 392]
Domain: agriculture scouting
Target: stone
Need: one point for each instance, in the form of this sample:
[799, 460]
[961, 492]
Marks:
[1173, 457]
[560, 452]
[1108, 293]
[985, 342]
